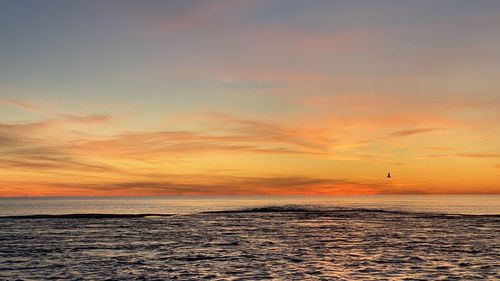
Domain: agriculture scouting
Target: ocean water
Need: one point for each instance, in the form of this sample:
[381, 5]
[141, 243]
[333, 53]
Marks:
[251, 238]
[196, 204]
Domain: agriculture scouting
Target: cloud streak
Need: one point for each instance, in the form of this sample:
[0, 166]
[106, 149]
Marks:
[63, 120]
[410, 132]
[21, 104]
[468, 155]
[221, 185]
[222, 133]
[480, 155]
[23, 146]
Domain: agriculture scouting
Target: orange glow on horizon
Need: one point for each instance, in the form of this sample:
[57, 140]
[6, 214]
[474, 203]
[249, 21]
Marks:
[250, 97]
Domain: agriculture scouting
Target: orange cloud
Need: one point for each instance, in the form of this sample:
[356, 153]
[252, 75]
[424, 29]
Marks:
[203, 185]
[90, 119]
[24, 147]
[440, 148]
[116, 164]
[480, 155]
[469, 155]
[410, 132]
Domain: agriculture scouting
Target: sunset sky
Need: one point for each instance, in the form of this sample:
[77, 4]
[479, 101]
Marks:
[249, 97]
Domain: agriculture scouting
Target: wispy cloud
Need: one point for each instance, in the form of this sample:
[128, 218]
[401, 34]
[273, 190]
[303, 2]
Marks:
[440, 148]
[478, 104]
[410, 132]
[468, 155]
[438, 155]
[24, 147]
[480, 155]
[218, 133]
[49, 158]
[33, 126]
[315, 138]
[90, 119]
[182, 15]
[227, 185]
[22, 104]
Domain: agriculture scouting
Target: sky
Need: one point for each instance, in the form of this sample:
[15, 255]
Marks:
[273, 97]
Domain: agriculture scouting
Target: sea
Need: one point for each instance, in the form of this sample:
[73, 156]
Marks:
[392, 237]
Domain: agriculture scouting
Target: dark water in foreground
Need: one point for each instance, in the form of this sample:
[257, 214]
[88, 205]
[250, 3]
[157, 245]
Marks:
[282, 243]
[290, 245]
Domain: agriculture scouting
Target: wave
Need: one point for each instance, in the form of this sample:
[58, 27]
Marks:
[340, 211]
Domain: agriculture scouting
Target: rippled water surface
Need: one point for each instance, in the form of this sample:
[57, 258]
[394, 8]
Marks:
[290, 245]
[299, 242]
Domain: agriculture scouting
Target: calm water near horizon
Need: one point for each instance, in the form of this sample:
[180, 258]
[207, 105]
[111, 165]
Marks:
[446, 204]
